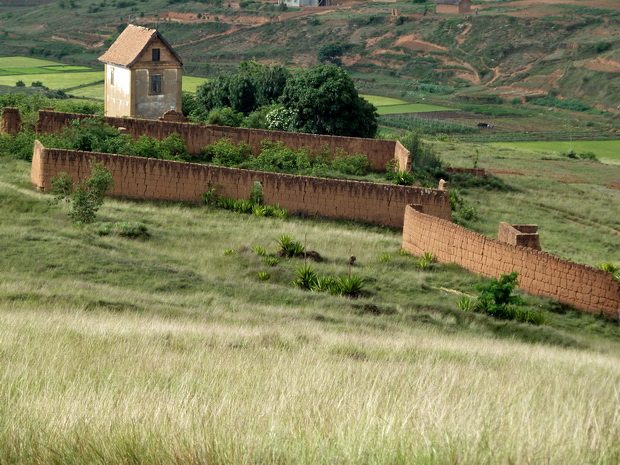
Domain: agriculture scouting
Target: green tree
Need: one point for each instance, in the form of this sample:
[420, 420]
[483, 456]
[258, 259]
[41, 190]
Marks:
[250, 88]
[324, 101]
[331, 52]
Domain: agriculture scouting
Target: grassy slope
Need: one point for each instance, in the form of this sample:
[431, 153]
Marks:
[168, 350]
[555, 52]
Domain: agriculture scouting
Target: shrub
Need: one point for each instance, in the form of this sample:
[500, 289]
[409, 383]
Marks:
[225, 153]
[129, 229]
[225, 116]
[496, 296]
[86, 197]
[357, 165]
[403, 178]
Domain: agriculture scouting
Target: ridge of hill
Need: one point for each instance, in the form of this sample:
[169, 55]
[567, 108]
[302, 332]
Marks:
[512, 49]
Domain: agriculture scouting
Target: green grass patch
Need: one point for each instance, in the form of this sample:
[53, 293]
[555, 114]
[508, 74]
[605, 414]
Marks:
[190, 83]
[380, 101]
[25, 62]
[605, 150]
[57, 81]
[94, 92]
[410, 108]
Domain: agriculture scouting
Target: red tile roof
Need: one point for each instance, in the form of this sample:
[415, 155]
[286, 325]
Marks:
[126, 50]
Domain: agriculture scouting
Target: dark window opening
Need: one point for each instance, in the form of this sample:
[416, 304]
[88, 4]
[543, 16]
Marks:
[155, 54]
[156, 84]
[112, 76]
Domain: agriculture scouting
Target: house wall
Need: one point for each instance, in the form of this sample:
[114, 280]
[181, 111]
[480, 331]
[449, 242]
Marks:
[117, 98]
[145, 103]
[379, 152]
[464, 7]
[147, 178]
[581, 286]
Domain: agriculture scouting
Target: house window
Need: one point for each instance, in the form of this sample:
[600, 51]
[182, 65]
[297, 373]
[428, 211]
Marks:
[156, 84]
[155, 54]
[112, 76]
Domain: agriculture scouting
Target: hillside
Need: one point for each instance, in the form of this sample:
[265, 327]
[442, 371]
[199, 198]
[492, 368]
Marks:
[189, 346]
[512, 48]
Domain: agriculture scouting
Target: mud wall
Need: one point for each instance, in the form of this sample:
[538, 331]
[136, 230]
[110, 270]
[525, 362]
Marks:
[147, 178]
[540, 273]
[11, 121]
[196, 136]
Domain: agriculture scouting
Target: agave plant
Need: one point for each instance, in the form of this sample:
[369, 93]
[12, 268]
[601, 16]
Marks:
[306, 277]
[324, 284]
[351, 285]
[289, 247]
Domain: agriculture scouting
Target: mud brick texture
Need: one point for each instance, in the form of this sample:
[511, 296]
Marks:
[197, 136]
[584, 287]
[152, 179]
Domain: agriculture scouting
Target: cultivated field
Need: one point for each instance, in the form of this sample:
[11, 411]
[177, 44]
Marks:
[607, 151]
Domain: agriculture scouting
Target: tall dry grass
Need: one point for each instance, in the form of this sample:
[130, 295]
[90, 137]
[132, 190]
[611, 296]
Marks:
[100, 387]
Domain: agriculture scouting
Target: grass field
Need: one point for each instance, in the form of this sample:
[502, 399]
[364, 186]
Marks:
[409, 108]
[59, 81]
[25, 62]
[190, 83]
[608, 151]
[391, 106]
[170, 350]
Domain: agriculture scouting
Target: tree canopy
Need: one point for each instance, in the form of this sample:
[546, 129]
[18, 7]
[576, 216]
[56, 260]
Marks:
[324, 101]
[320, 100]
[251, 87]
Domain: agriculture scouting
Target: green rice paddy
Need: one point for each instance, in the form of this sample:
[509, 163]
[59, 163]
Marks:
[394, 106]
[606, 150]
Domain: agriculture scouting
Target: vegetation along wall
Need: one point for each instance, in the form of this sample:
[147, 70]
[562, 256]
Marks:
[196, 136]
[581, 286]
[148, 178]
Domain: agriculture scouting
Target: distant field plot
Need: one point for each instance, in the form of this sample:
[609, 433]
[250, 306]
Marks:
[25, 62]
[409, 108]
[43, 70]
[55, 81]
[608, 150]
[94, 92]
[190, 83]
[394, 106]
[379, 101]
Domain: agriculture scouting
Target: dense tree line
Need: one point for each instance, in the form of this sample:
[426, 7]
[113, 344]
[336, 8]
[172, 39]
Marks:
[320, 100]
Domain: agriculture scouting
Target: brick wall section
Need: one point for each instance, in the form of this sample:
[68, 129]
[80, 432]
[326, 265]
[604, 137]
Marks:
[581, 286]
[146, 178]
[11, 121]
[196, 136]
[524, 235]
